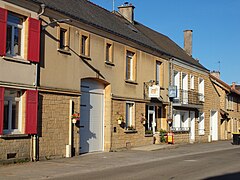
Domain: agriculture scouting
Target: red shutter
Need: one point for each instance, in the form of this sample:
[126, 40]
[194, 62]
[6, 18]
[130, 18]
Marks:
[3, 31]
[31, 111]
[33, 40]
[1, 109]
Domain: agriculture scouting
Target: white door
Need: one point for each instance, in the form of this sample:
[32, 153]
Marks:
[91, 122]
[192, 126]
[214, 125]
[151, 119]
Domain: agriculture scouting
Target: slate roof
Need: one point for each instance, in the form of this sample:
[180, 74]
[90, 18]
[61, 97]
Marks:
[92, 14]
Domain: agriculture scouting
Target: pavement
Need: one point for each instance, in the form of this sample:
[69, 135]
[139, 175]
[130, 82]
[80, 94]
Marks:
[87, 163]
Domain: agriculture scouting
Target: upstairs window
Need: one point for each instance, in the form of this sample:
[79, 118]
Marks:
[158, 73]
[191, 82]
[14, 43]
[130, 66]
[62, 40]
[201, 90]
[109, 52]
[85, 45]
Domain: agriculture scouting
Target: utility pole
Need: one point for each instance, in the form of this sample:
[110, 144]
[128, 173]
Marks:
[113, 5]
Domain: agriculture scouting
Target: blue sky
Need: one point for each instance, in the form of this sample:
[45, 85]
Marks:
[215, 25]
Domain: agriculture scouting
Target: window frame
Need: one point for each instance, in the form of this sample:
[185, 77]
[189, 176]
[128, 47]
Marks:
[159, 73]
[130, 122]
[192, 82]
[201, 89]
[65, 40]
[10, 100]
[130, 75]
[21, 26]
[201, 123]
[109, 52]
[85, 47]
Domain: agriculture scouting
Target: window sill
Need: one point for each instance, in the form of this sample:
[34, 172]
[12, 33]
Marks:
[84, 57]
[109, 63]
[63, 51]
[131, 82]
[15, 59]
[130, 131]
[14, 136]
[148, 135]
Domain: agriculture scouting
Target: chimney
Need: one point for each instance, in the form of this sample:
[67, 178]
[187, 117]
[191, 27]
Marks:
[216, 74]
[188, 42]
[233, 85]
[127, 11]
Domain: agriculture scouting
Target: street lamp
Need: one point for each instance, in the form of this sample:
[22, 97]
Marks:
[54, 22]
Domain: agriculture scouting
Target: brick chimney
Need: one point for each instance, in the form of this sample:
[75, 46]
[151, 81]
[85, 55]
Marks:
[216, 74]
[188, 42]
[127, 11]
[233, 85]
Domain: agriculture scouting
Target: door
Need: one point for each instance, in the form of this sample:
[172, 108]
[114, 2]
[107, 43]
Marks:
[192, 126]
[151, 124]
[214, 125]
[91, 122]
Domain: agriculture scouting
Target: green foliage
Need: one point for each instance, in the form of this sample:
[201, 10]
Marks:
[148, 132]
[162, 135]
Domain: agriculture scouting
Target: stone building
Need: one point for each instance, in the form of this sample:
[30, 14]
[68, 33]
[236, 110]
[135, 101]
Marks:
[73, 57]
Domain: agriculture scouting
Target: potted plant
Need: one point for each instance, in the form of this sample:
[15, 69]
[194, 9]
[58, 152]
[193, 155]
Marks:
[119, 118]
[75, 118]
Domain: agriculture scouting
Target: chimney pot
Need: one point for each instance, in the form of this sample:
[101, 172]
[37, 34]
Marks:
[216, 74]
[188, 41]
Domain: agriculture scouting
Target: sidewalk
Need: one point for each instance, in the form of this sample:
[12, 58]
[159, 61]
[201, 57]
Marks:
[106, 160]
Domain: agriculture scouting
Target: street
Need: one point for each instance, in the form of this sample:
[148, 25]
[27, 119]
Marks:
[218, 160]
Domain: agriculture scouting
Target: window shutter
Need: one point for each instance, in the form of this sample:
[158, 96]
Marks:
[31, 111]
[3, 30]
[1, 109]
[33, 40]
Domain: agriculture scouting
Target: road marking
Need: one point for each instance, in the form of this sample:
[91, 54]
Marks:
[190, 160]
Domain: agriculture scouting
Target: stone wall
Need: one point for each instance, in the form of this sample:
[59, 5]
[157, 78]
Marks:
[123, 138]
[54, 125]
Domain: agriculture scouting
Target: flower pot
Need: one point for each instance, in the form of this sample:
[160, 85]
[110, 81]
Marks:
[144, 122]
[74, 121]
[119, 121]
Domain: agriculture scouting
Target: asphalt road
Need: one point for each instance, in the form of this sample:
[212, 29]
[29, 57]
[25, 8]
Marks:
[223, 164]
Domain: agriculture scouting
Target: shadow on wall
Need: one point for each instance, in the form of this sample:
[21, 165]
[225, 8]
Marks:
[232, 176]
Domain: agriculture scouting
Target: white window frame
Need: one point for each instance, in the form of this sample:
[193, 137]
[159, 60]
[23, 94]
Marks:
[14, 25]
[179, 124]
[130, 57]
[176, 82]
[130, 112]
[158, 71]
[201, 123]
[10, 101]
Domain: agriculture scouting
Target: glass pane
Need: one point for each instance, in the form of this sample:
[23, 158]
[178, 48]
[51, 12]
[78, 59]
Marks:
[6, 115]
[14, 19]
[9, 39]
[150, 121]
[15, 115]
[62, 38]
[84, 39]
[17, 41]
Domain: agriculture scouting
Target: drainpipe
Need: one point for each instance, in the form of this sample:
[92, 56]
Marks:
[35, 137]
[69, 145]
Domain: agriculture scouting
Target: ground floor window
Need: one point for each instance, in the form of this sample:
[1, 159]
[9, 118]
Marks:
[181, 121]
[130, 116]
[201, 128]
[12, 111]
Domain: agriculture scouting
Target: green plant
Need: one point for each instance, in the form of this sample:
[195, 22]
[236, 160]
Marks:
[162, 135]
[148, 132]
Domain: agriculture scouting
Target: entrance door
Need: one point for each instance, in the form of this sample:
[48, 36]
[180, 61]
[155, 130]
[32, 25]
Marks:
[214, 125]
[192, 126]
[91, 122]
[151, 124]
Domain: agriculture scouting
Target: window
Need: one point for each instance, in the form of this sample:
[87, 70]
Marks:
[12, 111]
[130, 115]
[17, 41]
[109, 57]
[158, 72]
[201, 128]
[130, 66]
[13, 103]
[229, 102]
[201, 90]
[62, 40]
[191, 82]
[85, 45]
[180, 121]
[176, 82]
[14, 43]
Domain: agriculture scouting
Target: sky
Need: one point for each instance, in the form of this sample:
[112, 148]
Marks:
[215, 25]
